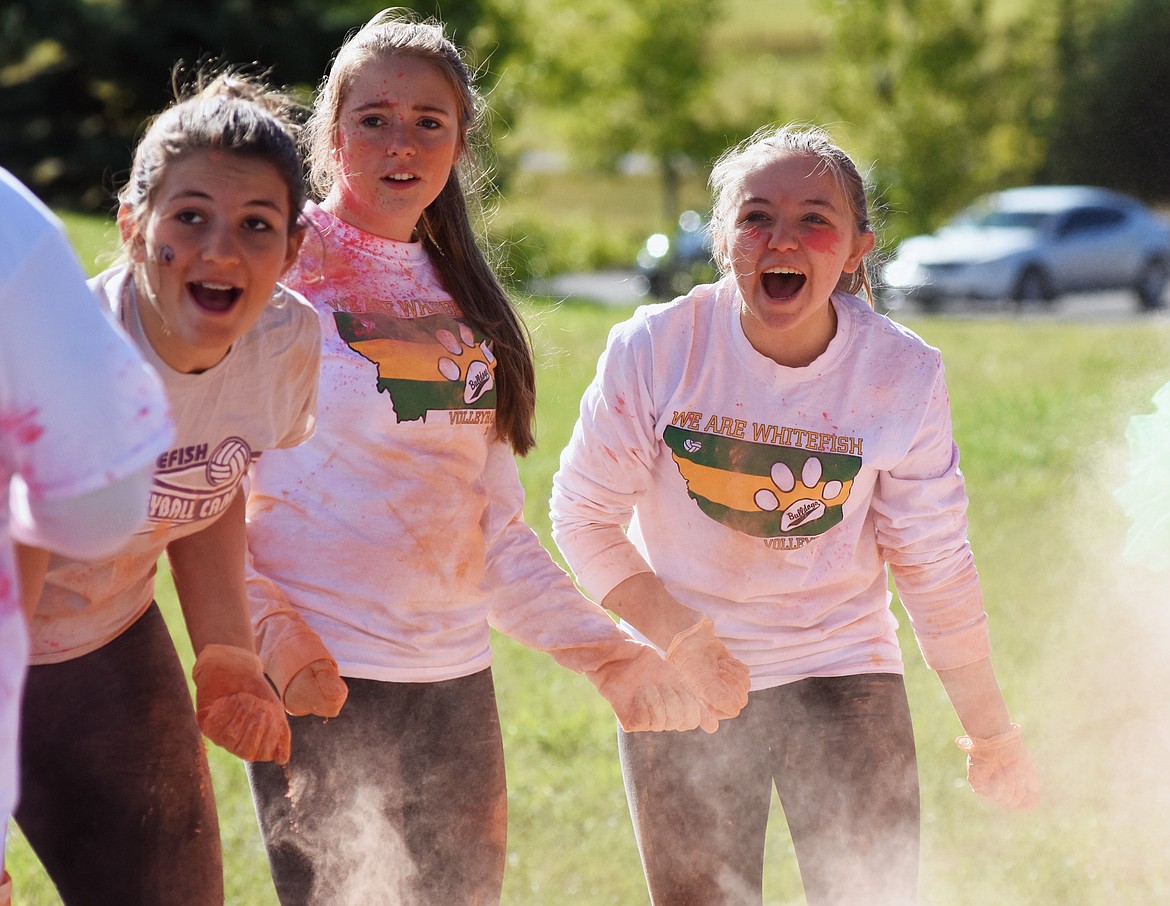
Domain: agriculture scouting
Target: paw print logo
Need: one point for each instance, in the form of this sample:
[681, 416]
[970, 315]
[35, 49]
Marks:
[468, 362]
[800, 501]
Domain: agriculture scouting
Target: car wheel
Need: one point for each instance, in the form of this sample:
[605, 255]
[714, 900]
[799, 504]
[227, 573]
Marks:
[1151, 284]
[1033, 285]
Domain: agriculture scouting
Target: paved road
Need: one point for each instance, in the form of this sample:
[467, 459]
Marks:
[619, 287]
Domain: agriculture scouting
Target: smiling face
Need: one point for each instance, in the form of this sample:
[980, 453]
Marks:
[398, 135]
[207, 252]
[792, 234]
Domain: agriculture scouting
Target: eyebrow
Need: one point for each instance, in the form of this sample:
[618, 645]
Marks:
[815, 202]
[419, 108]
[198, 195]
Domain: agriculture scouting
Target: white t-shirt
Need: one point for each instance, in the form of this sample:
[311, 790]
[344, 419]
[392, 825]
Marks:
[262, 395]
[771, 499]
[79, 411]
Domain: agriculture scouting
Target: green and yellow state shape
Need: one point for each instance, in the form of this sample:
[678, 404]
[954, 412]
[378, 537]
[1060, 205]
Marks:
[428, 364]
[763, 490]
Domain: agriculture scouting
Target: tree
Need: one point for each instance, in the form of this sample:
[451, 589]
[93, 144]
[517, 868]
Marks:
[1111, 126]
[81, 77]
[946, 98]
[622, 77]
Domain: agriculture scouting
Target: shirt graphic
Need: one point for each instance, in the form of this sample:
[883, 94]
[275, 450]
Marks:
[427, 364]
[762, 489]
[196, 482]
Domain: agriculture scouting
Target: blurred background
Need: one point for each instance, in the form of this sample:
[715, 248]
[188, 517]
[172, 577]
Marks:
[606, 114]
[606, 117]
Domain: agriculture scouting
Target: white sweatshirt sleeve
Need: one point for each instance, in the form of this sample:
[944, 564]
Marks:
[920, 514]
[534, 600]
[605, 469]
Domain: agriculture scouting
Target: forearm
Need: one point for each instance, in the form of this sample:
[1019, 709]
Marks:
[208, 572]
[643, 602]
[32, 562]
[976, 697]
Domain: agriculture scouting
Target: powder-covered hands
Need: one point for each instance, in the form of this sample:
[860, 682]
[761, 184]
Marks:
[236, 707]
[317, 688]
[720, 680]
[1000, 769]
[647, 693]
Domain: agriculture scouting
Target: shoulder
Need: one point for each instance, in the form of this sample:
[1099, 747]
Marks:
[108, 286]
[34, 248]
[665, 323]
[880, 336]
[289, 321]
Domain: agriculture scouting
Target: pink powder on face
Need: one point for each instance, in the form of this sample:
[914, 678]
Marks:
[823, 241]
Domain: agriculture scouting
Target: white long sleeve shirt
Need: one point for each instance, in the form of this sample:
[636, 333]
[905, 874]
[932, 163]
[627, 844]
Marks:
[770, 498]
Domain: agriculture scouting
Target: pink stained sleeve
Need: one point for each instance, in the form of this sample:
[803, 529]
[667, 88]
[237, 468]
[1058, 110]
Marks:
[920, 513]
[285, 642]
[603, 471]
[534, 600]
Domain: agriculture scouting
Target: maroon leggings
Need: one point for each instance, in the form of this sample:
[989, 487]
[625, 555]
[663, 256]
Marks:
[115, 794]
[399, 799]
[840, 751]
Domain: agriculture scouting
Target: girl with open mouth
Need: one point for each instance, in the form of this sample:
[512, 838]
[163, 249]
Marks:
[775, 446]
[116, 798]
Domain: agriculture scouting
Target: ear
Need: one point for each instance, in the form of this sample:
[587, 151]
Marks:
[295, 238]
[132, 239]
[862, 246]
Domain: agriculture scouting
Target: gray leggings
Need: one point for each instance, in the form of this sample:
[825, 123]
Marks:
[115, 794]
[400, 799]
[840, 751]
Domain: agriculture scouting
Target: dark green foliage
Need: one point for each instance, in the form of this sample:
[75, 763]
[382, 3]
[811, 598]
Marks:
[1112, 126]
[78, 77]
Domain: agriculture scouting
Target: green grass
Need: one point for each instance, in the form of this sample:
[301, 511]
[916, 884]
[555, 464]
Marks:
[1040, 409]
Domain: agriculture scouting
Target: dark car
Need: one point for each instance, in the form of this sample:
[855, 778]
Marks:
[669, 266]
[1032, 245]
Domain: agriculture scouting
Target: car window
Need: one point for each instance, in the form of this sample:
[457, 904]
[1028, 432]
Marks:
[994, 219]
[1088, 219]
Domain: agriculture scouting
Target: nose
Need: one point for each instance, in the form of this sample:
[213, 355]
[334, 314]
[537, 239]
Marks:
[399, 141]
[221, 245]
[782, 236]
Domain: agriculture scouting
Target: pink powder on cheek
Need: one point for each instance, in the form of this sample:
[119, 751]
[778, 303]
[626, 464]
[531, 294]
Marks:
[823, 241]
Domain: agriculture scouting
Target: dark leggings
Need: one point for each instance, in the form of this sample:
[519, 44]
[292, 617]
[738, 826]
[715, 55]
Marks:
[840, 751]
[115, 795]
[400, 799]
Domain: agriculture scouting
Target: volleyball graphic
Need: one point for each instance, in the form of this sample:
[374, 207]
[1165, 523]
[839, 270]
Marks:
[228, 462]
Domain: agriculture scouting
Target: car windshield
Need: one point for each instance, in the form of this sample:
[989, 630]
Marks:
[990, 218]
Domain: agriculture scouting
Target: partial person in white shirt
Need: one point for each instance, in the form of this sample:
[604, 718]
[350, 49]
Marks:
[82, 418]
[774, 445]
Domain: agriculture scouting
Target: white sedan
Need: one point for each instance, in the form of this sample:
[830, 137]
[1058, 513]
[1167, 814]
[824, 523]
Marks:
[1032, 245]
